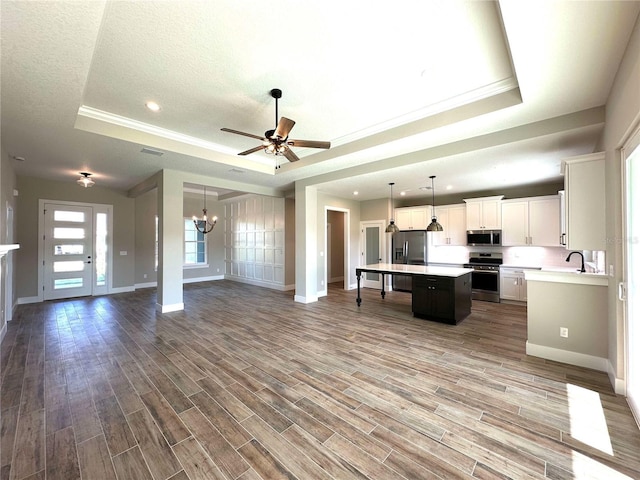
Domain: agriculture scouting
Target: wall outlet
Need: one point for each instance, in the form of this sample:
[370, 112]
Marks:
[322, 283]
[145, 275]
[217, 270]
[611, 271]
[564, 332]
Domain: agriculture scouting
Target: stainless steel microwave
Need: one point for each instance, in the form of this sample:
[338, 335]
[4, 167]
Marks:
[485, 238]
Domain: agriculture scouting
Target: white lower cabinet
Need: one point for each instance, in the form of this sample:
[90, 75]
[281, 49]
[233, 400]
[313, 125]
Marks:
[513, 285]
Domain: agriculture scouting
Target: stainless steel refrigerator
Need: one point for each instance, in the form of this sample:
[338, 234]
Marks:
[408, 247]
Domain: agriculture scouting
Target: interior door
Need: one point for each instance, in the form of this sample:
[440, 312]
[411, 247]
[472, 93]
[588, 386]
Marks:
[68, 251]
[372, 248]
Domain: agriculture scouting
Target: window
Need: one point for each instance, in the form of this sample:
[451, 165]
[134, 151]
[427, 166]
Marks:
[195, 244]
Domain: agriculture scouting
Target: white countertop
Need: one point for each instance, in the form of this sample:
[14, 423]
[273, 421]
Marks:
[566, 275]
[417, 269]
[523, 267]
[4, 249]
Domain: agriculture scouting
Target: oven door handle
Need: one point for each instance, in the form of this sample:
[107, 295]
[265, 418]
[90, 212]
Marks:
[490, 272]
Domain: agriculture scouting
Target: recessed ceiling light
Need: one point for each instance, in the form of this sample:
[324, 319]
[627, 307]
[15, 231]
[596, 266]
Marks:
[355, 192]
[449, 187]
[403, 193]
[153, 106]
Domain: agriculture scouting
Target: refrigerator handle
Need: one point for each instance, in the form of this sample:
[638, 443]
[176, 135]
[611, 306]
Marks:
[406, 252]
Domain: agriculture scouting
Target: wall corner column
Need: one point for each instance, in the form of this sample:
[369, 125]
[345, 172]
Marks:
[170, 233]
[306, 244]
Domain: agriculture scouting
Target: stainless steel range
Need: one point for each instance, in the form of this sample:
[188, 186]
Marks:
[485, 278]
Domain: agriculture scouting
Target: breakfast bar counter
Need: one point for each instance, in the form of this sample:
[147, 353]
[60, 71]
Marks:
[439, 293]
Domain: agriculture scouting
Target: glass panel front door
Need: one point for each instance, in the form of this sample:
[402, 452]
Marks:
[68, 251]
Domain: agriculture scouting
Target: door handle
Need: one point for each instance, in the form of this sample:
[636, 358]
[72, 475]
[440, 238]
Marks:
[88, 261]
[622, 291]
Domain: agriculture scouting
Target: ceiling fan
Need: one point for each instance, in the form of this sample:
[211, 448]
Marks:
[277, 141]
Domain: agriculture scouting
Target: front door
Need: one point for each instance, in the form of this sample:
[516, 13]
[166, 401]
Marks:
[371, 253]
[68, 251]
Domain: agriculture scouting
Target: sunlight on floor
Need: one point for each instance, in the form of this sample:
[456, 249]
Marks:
[584, 467]
[588, 424]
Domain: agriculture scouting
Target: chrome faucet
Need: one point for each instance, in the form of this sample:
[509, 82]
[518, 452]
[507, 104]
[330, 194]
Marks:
[582, 270]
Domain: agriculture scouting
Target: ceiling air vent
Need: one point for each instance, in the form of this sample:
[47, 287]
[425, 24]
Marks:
[151, 151]
[236, 170]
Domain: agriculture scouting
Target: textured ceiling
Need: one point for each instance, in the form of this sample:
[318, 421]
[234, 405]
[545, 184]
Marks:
[482, 94]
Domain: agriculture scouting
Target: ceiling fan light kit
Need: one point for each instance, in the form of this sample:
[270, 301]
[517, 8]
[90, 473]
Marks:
[277, 141]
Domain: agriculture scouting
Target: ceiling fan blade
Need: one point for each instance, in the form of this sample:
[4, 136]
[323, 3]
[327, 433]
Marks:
[237, 132]
[252, 150]
[284, 127]
[309, 143]
[292, 157]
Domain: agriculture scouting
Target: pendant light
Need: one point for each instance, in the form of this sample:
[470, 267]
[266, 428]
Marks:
[392, 227]
[204, 225]
[434, 226]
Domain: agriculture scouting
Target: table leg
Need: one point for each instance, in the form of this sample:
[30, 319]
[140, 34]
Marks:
[358, 299]
[382, 292]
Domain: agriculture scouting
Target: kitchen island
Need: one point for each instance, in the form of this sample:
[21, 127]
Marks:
[439, 293]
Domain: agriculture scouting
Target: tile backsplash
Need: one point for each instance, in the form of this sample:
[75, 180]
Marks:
[516, 256]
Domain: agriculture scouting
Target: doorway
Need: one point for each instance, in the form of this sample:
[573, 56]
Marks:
[372, 251]
[75, 255]
[631, 276]
[8, 285]
[336, 260]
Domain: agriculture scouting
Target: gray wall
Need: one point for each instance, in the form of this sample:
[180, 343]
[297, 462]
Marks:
[289, 241]
[622, 110]
[146, 211]
[580, 308]
[375, 210]
[33, 189]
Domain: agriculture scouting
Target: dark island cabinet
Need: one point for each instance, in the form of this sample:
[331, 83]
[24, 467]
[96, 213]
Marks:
[444, 299]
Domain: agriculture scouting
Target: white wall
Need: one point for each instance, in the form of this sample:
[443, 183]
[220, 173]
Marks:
[255, 241]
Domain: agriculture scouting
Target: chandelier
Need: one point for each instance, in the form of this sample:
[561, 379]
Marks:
[204, 224]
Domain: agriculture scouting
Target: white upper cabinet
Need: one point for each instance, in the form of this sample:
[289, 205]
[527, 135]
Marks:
[453, 219]
[585, 214]
[412, 218]
[484, 213]
[531, 221]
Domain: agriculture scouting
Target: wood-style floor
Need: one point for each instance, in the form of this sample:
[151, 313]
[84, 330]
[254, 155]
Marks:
[246, 384]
